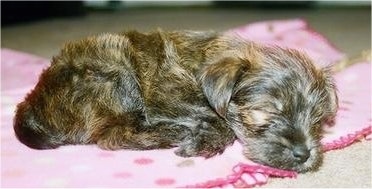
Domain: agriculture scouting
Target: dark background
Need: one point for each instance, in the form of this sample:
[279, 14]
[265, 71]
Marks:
[14, 12]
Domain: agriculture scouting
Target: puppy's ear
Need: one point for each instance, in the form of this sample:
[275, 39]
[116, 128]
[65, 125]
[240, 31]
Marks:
[218, 81]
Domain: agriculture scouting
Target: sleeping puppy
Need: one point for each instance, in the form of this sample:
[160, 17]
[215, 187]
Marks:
[197, 91]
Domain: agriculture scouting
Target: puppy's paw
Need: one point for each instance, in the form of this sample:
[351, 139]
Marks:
[185, 151]
[194, 149]
[106, 144]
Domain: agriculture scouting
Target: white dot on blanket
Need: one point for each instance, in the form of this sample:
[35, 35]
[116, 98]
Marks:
[350, 77]
[81, 168]
[56, 182]
[68, 149]
[45, 160]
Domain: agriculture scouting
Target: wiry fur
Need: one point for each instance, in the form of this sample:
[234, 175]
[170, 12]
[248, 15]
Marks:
[197, 91]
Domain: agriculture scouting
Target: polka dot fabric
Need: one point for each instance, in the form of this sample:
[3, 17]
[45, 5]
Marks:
[89, 166]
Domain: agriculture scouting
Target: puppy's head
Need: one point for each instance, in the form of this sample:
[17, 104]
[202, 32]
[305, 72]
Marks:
[275, 100]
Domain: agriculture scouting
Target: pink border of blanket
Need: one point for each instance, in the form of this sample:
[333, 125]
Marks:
[241, 168]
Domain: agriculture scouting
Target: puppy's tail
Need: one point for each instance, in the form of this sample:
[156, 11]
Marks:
[29, 130]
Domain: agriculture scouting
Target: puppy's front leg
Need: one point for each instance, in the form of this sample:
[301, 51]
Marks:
[131, 134]
[207, 140]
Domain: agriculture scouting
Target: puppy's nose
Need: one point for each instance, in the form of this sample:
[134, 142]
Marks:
[301, 153]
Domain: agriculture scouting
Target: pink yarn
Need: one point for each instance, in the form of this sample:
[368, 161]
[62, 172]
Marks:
[88, 166]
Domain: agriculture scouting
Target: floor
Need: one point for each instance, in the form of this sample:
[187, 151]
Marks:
[347, 29]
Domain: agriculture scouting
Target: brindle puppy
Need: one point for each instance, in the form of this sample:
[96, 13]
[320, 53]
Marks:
[197, 91]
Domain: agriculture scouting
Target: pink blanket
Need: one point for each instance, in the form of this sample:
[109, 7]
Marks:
[89, 166]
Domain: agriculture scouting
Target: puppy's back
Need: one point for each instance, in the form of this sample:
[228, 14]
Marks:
[83, 85]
